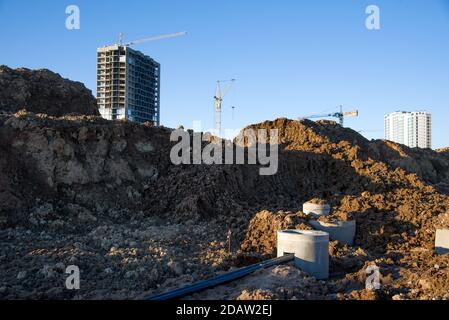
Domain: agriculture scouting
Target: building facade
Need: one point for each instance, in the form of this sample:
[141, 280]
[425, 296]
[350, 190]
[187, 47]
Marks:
[413, 129]
[128, 85]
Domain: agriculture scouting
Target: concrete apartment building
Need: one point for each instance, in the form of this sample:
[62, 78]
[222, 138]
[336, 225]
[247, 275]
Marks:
[413, 129]
[128, 85]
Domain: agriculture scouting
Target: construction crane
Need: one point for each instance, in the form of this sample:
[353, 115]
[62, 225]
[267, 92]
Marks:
[220, 93]
[339, 115]
[153, 38]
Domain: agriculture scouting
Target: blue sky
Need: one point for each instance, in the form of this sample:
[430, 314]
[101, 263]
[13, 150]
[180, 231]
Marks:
[291, 58]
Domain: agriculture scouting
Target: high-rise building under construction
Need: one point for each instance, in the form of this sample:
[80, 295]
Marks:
[128, 85]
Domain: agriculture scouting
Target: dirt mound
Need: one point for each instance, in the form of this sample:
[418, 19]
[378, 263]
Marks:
[43, 91]
[81, 160]
[444, 152]
[327, 137]
[431, 166]
[261, 235]
[75, 177]
[394, 193]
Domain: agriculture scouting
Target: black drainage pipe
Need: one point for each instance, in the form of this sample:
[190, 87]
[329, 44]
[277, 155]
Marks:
[224, 278]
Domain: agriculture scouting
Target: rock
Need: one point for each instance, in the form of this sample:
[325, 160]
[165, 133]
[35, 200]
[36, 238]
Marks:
[425, 284]
[83, 214]
[144, 147]
[119, 146]
[130, 274]
[108, 271]
[44, 210]
[82, 134]
[176, 267]
[60, 267]
[47, 271]
[148, 172]
[86, 217]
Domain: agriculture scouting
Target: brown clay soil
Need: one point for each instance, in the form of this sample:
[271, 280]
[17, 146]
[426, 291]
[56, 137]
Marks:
[80, 190]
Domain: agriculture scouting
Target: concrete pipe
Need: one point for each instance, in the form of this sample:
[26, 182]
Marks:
[311, 250]
[316, 209]
[442, 241]
[343, 231]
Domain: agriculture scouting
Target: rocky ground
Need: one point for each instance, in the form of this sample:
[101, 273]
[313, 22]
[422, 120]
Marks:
[80, 190]
[104, 196]
[116, 260]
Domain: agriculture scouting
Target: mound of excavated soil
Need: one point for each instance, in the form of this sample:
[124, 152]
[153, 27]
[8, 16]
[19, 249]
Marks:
[444, 152]
[43, 91]
[74, 178]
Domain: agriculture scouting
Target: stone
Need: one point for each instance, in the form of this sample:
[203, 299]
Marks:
[144, 147]
[21, 275]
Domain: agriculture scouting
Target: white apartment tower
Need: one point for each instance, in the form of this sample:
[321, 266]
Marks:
[128, 84]
[413, 129]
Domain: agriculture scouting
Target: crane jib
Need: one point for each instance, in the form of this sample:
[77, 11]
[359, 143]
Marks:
[153, 38]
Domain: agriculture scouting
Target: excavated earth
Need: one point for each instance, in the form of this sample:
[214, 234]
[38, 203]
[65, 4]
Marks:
[104, 196]
[43, 91]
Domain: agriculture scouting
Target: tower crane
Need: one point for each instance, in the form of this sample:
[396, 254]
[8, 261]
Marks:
[220, 93]
[152, 38]
[339, 115]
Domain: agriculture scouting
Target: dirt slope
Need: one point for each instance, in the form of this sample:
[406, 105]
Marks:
[97, 192]
[43, 91]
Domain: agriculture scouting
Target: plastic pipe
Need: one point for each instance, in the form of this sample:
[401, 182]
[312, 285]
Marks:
[224, 278]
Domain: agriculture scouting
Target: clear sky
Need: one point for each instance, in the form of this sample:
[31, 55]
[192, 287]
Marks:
[291, 58]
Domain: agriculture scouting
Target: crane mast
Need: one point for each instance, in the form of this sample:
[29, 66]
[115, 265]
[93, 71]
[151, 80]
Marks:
[220, 93]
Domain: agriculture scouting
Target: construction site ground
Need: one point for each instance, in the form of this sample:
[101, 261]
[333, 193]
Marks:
[104, 196]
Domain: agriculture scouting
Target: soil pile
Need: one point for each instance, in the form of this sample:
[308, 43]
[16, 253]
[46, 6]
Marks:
[105, 195]
[43, 91]
[444, 152]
